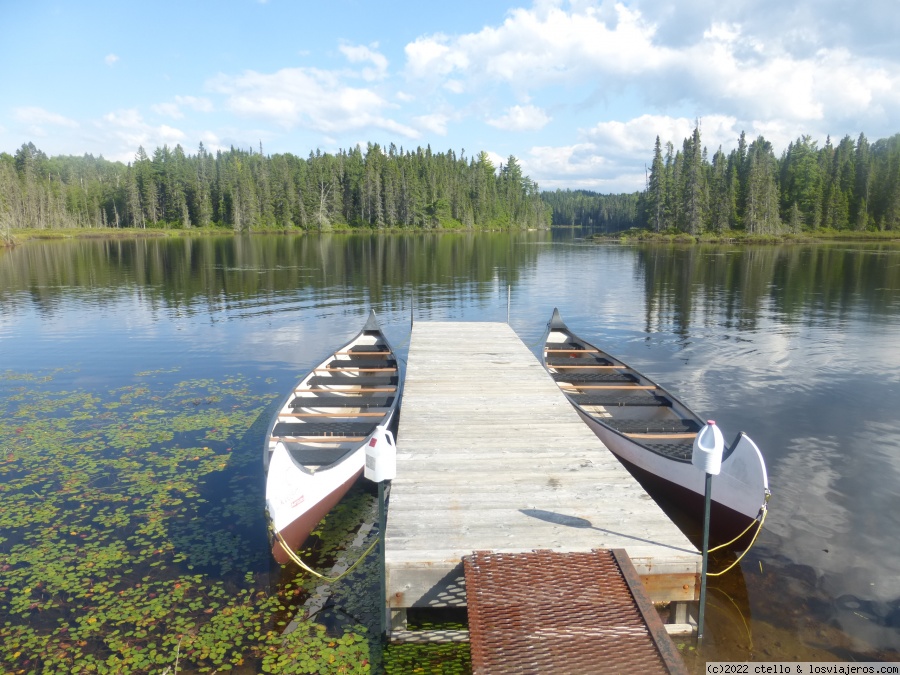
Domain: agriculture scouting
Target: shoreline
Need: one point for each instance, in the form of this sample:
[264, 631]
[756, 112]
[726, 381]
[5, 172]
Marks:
[737, 237]
[16, 237]
[13, 238]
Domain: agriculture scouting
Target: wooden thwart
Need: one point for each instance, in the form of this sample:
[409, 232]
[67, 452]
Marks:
[572, 351]
[662, 435]
[317, 439]
[636, 387]
[340, 414]
[355, 370]
[559, 367]
[353, 390]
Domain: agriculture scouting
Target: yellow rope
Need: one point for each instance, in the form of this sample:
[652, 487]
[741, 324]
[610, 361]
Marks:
[739, 612]
[293, 556]
[746, 530]
[765, 512]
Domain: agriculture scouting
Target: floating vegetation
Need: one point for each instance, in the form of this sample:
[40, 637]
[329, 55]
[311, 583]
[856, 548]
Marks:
[132, 538]
[133, 532]
[448, 659]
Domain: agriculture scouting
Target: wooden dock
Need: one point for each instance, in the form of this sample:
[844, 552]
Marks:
[492, 457]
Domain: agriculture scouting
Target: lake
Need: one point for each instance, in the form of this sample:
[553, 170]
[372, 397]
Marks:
[126, 365]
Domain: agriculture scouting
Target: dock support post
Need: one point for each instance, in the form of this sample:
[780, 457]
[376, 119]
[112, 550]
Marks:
[382, 596]
[508, 302]
[706, 511]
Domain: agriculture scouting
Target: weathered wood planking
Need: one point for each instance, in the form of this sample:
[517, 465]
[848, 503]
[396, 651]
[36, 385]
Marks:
[491, 456]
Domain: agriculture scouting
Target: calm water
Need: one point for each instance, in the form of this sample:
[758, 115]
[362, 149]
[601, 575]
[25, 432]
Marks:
[797, 345]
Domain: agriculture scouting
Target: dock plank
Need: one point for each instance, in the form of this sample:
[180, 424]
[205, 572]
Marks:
[492, 456]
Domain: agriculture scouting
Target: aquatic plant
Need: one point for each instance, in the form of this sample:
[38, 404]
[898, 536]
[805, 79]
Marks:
[132, 537]
[133, 530]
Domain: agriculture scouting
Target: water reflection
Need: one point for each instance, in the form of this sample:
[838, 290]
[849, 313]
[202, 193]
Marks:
[798, 345]
[265, 273]
[687, 286]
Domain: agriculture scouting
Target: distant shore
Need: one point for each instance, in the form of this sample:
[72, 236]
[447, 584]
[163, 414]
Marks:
[739, 237]
[14, 237]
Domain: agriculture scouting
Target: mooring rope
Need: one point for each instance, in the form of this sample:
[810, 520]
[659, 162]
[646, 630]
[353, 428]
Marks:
[293, 556]
[765, 511]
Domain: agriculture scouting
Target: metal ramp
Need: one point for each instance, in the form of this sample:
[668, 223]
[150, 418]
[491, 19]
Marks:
[553, 612]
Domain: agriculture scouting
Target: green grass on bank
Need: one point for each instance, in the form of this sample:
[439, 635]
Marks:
[741, 237]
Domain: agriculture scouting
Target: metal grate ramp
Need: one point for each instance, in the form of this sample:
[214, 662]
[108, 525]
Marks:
[553, 612]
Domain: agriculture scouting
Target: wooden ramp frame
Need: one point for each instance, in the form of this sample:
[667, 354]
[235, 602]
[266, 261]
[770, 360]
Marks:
[492, 456]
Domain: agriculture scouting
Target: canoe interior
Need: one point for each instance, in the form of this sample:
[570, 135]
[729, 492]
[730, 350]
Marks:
[316, 442]
[620, 397]
[332, 411]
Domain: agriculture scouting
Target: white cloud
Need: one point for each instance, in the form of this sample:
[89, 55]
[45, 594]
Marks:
[455, 86]
[541, 46]
[306, 97]
[429, 56]
[435, 123]
[198, 103]
[634, 139]
[363, 54]
[714, 61]
[128, 130]
[111, 59]
[173, 109]
[38, 116]
[521, 118]
[168, 109]
[567, 160]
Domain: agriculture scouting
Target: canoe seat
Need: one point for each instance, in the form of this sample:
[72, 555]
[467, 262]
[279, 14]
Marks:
[569, 346]
[337, 364]
[603, 376]
[317, 456]
[671, 426]
[283, 429]
[612, 399]
[359, 380]
[364, 402]
[367, 349]
[681, 451]
[586, 359]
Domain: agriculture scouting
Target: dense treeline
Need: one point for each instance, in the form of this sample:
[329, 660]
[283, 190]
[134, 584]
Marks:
[600, 213]
[246, 190]
[853, 185]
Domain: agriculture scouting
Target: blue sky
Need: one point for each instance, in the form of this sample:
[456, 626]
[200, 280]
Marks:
[577, 90]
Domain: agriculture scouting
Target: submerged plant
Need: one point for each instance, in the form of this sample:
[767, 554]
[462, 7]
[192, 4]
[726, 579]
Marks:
[132, 538]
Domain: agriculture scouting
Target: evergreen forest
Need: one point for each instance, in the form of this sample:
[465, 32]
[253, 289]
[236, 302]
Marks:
[246, 190]
[851, 186]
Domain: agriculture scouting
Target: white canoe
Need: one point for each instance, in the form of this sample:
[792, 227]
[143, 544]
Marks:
[652, 432]
[315, 446]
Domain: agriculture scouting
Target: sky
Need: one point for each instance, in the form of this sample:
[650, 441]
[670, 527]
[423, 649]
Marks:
[576, 90]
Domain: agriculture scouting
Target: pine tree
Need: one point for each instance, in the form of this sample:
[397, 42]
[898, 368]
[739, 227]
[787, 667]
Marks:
[656, 191]
[762, 211]
[695, 194]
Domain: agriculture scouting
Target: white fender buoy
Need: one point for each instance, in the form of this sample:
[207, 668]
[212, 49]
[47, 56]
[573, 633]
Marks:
[381, 456]
[708, 448]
